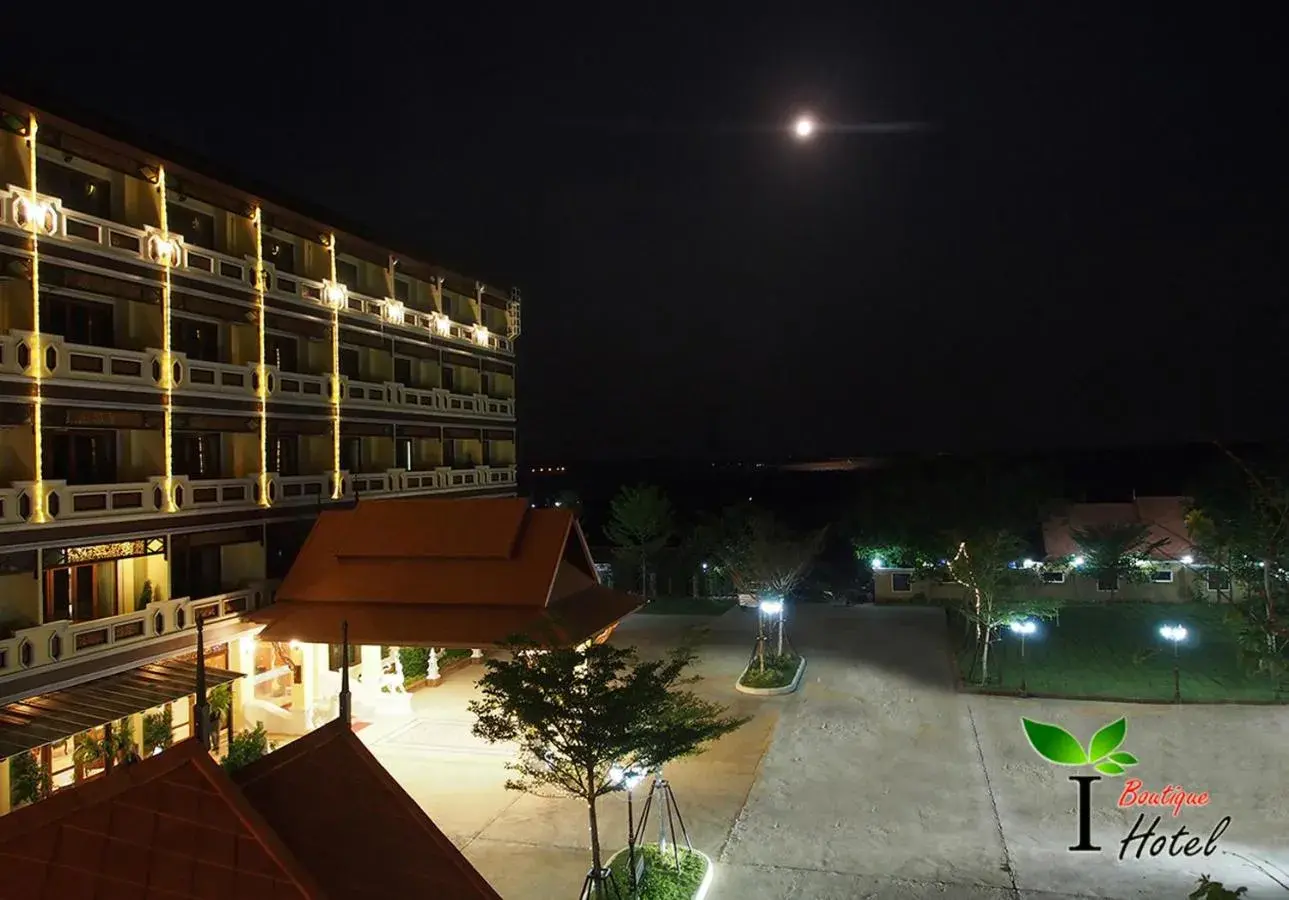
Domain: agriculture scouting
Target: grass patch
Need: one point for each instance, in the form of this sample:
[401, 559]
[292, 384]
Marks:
[687, 606]
[779, 671]
[1114, 650]
[661, 880]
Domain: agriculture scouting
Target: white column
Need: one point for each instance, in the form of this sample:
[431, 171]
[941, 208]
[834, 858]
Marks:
[369, 660]
[241, 653]
[476, 655]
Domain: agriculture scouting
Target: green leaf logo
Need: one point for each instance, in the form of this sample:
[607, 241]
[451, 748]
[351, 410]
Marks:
[1056, 745]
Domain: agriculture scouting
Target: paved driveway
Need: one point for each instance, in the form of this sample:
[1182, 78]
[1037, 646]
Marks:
[874, 780]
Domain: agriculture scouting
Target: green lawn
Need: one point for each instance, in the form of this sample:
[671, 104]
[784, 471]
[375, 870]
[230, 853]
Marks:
[686, 606]
[1114, 650]
[661, 880]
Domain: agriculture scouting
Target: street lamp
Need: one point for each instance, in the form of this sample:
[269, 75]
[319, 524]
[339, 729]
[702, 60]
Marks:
[1024, 628]
[775, 608]
[804, 127]
[627, 779]
[1174, 634]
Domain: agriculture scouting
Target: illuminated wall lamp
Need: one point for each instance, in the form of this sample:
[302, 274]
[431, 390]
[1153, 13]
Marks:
[395, 312]
[335, 294]
[164, 250]
[481, 335]
[35, 215]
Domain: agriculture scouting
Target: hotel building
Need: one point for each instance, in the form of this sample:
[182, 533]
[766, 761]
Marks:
[189, 374]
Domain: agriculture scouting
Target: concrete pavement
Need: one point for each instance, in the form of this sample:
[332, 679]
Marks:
[874, 780]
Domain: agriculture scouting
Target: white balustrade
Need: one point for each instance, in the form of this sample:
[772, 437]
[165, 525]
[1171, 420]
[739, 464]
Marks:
[222, 492]
[63, 642]
[222, 378]
[298, 387]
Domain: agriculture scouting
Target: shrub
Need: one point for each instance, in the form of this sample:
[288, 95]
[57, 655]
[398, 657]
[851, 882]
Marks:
[779, 671]
[27, 780]
[247, 747]
[157, 731]
[415, 661]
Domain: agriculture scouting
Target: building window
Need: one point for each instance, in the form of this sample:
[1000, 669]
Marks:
[351, 454]
[1108, 581]
[901, 582]
[195, 571]
[70, 594]
[282, 351]
[78, 191]
[402, 289]
[350, 363]
[403, 454]
[284, 455]
[281, 252]
[197, 228]
[196, 338]
[347, 273]
[80, 457]
[403, 370]
[197, 455]
[450, 453]
[77, 321]
[1218, 580]
[449, 378]
[1053, 578]
[1162, 576]
[283, 541]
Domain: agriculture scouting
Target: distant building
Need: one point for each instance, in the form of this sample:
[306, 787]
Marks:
[1177, 573]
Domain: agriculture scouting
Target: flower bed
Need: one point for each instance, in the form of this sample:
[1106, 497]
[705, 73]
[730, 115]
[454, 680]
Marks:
[782, 675]
[661, 881]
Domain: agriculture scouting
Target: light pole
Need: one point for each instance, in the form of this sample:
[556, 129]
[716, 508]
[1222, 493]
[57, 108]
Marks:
[627, 779]
[1175, 634]
[775, 608]
[1024, 628]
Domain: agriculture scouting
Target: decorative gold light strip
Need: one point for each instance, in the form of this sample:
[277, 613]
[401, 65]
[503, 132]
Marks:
[335, 374]
[37, 353]
[102, 552]
[167, 363]
[257, 218]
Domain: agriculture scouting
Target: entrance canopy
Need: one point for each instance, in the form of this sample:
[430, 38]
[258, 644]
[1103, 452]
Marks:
[57, 716]
[469, 573]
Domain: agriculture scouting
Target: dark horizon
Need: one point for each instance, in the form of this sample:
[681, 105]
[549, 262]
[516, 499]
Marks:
[1076, 247]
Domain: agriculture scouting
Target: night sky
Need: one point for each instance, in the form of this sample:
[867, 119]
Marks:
[1085, 245]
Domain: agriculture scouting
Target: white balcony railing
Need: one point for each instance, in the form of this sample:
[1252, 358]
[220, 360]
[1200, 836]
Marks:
[112, 240]
[63, 642]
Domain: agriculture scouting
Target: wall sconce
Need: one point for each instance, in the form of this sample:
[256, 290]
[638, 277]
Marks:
[481, 335]
[395, 312]
[39, 216]
[335, 294]
[164, 250]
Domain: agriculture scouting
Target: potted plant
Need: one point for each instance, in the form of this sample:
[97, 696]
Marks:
[28, 781]
[220, 700]
[145, 595]
[158, 731]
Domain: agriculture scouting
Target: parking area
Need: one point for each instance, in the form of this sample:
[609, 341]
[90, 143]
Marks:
[875, 780]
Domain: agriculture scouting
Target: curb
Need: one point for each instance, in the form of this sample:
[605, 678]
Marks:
[772, 692]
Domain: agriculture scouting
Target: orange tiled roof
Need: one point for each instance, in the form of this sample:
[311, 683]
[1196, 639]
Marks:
[358, 830]
[565, 622]
[171, 826]
[443, 573]
[417, 550]
[1165, 518]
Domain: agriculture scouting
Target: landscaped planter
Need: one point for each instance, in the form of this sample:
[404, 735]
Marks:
[701, 883]
[772, 691]
[444, 668]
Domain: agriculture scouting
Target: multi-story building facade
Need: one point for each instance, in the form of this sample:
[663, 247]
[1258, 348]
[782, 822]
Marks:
[188, 373]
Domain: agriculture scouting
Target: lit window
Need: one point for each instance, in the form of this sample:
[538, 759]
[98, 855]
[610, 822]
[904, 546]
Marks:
[901, 582]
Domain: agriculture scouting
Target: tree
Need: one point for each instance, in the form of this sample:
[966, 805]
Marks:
[1117, 553]
[641, 522]
[1240, 527]
[997, 590]
[247, 747]
[575, 714]
[767, 559]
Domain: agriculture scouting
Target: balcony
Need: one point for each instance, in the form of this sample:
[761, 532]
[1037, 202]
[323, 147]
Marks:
[113, 241]
[64, 362]
[64, 643]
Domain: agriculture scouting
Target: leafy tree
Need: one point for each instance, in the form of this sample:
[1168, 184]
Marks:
[997, 590]
[641, 522]
[575, 714]
[1117, 553]
[28, 781]
[1240, 527]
